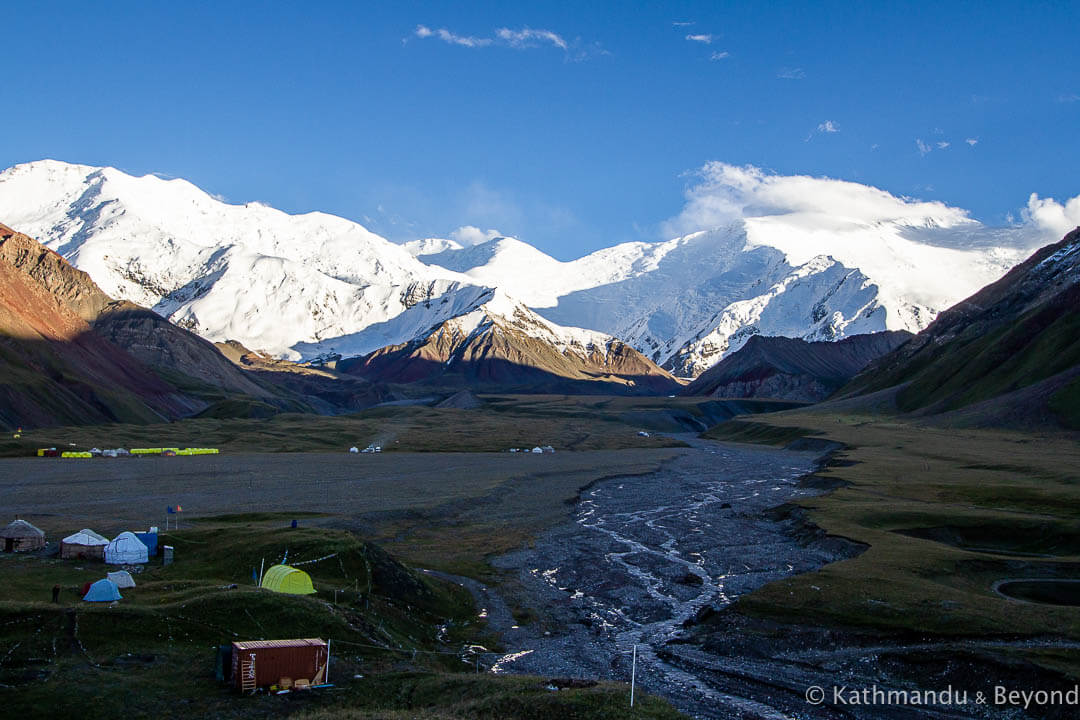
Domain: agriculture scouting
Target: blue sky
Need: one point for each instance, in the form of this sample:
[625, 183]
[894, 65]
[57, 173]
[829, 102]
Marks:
[572, 126]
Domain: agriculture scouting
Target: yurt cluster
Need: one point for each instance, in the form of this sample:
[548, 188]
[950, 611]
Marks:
[126, 549]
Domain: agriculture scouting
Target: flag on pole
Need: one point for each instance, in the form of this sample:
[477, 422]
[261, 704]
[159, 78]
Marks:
[170, 510]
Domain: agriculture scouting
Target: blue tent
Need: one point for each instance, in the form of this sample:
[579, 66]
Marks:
[103, 591]
[149, 539]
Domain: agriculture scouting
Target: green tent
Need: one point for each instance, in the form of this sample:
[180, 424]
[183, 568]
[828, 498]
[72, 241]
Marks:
[285, 579]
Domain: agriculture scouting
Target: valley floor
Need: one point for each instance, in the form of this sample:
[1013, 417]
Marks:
[707, 557]
[645, 555]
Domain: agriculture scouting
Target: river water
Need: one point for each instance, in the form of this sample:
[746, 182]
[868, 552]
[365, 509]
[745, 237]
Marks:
[645, 554]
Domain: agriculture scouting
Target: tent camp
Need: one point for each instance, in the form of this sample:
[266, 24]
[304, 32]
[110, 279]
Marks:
[20, 535]
[84, 544]
[122, 579]
[126, 549]
[103, 591]
[285, 579]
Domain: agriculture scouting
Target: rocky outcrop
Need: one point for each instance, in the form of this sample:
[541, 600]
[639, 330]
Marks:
[144, 334]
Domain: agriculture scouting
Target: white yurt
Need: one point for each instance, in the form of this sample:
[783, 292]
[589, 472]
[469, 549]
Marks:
[84, 544]
[126, 549]
[122, 578]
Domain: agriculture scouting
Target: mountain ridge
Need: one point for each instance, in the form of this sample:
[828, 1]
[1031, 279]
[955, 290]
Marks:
[306, 286]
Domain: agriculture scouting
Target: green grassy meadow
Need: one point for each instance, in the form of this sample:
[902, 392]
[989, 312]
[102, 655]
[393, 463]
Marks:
[946, 514]
[152, 653]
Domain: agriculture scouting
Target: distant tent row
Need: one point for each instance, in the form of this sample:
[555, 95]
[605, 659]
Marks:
[127, 548]
[174, 451]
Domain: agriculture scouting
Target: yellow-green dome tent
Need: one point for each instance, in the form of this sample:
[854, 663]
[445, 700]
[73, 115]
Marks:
[285, 579]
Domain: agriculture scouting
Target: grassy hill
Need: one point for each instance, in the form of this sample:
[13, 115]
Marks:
[152, 653]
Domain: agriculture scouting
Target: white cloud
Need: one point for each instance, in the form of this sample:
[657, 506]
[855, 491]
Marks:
[915, 251]
[521, 39]
[1068, 98]
[972, 141]
[703, 38]
[528, 37]
[681, 23]
[1052, 217]
[472, 235]
[823, 211]
[728, 192]
[923, 147]
[826, 127]
[791, 74]
[423, 31]
[719, 55]
[943, 144]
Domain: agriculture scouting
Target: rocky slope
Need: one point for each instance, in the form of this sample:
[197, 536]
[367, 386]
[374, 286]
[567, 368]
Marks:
[1009, 353]
[502, 345]
[792, 369]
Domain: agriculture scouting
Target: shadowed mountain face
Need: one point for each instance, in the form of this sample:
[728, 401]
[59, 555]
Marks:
[502, 356]
[1009, 354]
[793, 369]
[55, 368]
[70, 354]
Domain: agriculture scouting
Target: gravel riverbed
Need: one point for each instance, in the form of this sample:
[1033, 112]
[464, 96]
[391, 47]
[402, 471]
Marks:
[644, 557]
[644, 554]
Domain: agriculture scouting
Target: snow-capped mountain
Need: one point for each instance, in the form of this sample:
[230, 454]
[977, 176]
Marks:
[430, 246]
[272, 281]
[688, 302]
[301, 286]
[502, 343]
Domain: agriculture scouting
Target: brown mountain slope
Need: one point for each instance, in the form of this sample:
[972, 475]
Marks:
[504, 356]
[54, 368]
[71, 354]
[792, 369]
[143, 333]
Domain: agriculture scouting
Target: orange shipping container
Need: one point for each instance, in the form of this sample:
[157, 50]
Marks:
[271, 660]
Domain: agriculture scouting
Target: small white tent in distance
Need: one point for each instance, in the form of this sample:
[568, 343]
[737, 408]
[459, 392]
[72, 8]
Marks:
[122, 578]
[126, 549]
